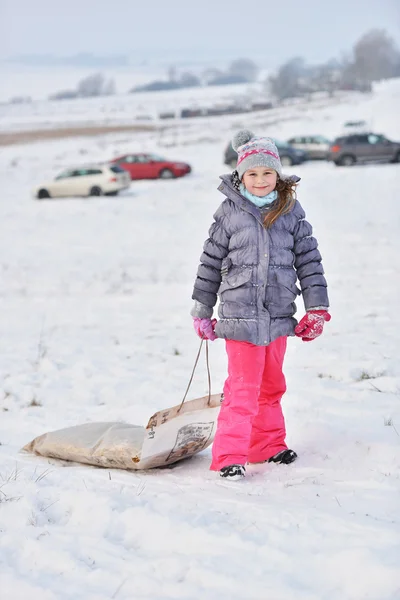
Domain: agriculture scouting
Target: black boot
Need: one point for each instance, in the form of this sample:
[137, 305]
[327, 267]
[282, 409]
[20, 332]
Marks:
[233, 472]
[285, 457]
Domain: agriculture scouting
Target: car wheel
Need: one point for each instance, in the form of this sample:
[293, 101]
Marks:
[397, 158]
[95, 191]
[166, 174]
[286, 161]
[347, 160]
[43, 193]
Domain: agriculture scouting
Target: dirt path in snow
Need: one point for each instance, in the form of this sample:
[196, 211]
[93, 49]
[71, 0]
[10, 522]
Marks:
[36, 135]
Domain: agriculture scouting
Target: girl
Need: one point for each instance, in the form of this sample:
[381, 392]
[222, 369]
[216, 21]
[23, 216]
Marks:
[258, 245]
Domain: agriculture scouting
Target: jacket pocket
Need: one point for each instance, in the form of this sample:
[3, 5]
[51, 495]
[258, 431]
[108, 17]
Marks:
[235, 280]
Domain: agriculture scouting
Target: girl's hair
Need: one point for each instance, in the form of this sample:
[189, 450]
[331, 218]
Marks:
[286, 189]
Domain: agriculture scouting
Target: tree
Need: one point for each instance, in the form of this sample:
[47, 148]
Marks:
[210, 74]
[287, 83]
[95, 85]
[64, 95]
[109, 88]
[172, 73]
[324, 77]
[189, 80]
[244, 68]
[375, 56]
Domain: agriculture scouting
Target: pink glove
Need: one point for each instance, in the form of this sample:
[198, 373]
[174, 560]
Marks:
[205, 328]
[312, 324]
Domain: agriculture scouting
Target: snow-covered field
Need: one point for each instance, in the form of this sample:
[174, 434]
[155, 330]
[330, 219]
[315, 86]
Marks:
[95, 301]
[321, 115]
[121, 108]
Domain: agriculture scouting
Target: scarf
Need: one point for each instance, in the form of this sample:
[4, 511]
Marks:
[259, 201]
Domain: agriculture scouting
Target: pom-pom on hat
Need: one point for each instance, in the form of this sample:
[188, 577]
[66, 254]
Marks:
[255, 151]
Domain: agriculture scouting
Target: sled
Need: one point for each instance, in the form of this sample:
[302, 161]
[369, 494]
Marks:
[171, 434]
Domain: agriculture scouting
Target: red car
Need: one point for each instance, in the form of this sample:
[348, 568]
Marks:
[151, 166]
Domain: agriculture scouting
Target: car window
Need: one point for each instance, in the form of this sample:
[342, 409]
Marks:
[84, 172]
[135, 158]
[280, 144]
[65, 175]
[320, 139]
[117, 169]
[155, 158]
[357, 139]
[373, 138]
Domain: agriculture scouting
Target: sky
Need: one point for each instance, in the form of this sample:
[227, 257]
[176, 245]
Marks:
[180, 29]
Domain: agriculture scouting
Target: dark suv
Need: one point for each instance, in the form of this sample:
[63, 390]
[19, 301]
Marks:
[289, 156]
[363, 148]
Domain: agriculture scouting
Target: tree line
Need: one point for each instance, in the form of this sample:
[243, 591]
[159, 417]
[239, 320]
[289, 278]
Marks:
[374, 56]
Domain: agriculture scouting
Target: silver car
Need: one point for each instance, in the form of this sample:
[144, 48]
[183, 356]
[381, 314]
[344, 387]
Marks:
[316, 146]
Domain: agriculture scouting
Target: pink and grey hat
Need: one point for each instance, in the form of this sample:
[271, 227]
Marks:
[255, 151]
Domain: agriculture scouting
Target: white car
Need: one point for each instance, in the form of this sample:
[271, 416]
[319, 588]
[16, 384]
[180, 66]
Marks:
[88, 180]
[316, 146]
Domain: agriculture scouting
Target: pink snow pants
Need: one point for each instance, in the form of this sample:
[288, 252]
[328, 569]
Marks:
[251, 427]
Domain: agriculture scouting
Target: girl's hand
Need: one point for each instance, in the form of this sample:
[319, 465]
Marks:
[312, 324]
[205, 328]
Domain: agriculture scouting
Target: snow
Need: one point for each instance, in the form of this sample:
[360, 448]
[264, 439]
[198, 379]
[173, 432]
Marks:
[95, 298]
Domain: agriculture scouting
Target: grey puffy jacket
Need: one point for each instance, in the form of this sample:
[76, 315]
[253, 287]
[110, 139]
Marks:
[253, 271]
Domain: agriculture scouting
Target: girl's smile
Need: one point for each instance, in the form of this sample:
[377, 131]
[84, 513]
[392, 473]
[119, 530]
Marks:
[260, 181]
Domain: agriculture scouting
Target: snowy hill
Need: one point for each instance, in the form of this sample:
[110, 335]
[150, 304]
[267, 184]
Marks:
[95, 299]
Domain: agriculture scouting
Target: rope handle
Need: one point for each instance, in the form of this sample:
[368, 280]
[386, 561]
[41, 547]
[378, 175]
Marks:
[193, 371]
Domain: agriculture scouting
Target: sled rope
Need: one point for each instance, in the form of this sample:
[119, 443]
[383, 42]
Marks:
[193, 371]
[208, 375]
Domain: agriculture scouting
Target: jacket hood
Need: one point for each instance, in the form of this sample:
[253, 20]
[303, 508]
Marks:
[227, 188]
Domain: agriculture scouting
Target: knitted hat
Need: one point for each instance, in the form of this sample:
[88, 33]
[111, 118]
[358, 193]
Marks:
[255, 152]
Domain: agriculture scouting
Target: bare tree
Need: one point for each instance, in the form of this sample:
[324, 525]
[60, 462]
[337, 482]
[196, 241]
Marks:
[210, 74]
[95, 85]
[244, 68]
[109, 88]
[325, 77]
[172, 73]
[288, 82]
[375, 56]
[189, 80]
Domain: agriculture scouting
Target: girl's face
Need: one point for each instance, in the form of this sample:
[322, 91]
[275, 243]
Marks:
[260, 181]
